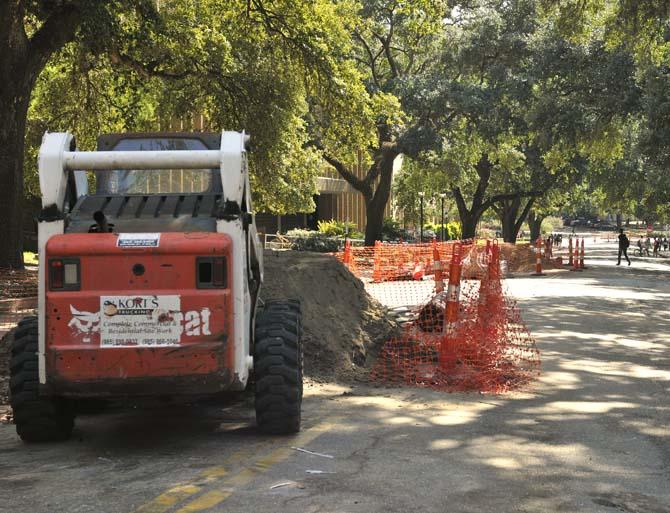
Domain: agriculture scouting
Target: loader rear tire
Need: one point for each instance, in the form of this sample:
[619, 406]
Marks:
[37, 418]
[278, 367]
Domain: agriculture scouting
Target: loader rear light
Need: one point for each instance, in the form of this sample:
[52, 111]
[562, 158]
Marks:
[64, 274]
[211, 273]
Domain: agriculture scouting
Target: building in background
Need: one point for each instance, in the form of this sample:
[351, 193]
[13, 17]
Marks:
[335, 198]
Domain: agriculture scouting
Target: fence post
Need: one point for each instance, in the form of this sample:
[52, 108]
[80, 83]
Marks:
[447, 350]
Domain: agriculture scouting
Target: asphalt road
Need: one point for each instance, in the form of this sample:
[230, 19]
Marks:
[592, 435]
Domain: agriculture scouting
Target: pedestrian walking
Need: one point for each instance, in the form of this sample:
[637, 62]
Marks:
[623, 247]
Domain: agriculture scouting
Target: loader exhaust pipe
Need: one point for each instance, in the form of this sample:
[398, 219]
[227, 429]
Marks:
[101, 220]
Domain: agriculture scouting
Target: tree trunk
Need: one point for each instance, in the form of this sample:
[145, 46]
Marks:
[619, 219]
[469, 221]
[535, 224]
[15, 87]
[470, 216]
[376, 205]
[510, 217]
[21, 61]
[508, 212]
[14, 107]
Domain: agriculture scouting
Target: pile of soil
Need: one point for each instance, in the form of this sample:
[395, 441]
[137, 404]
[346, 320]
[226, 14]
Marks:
[18, 283]
[343, 327]
[520, 258]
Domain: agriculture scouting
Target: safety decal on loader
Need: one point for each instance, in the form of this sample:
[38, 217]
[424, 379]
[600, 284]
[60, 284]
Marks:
[138, 240]
[140, 321]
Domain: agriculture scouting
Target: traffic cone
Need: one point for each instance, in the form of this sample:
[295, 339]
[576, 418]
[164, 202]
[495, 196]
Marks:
[538, 258]
[447, 353]
[575, 260]
[581, 257]
[570, 262]
[346, 257]
[437, 269]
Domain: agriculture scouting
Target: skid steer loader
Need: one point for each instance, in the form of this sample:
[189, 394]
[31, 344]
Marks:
[150, 285]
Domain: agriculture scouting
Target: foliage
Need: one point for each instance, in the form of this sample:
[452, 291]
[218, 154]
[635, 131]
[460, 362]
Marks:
[551, 224]
[311, 240]
[452, 230]
[517, 109]
[334, 228]
[241, 65]
[392, 231]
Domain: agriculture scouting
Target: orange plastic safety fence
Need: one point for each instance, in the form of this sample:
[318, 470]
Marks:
[467, 337]
[401, 262]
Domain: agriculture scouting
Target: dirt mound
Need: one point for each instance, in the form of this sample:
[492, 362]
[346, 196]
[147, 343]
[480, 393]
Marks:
[520, 258]
[343, 327]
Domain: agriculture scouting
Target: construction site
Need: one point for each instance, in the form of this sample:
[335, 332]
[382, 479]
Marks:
[437, 377]
[327, 256]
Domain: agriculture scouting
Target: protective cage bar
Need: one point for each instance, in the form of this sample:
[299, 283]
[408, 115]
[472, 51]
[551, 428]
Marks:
[168, 159]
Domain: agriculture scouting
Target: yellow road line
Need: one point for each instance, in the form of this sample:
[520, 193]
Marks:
[246, 475]
[183, 491]
[205, 501]
[169, 498]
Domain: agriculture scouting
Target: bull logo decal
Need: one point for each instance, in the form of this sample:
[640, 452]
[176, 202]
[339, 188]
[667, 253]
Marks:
[85, 323]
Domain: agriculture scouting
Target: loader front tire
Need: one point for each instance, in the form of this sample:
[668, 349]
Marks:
[278, 367]
[37, 418]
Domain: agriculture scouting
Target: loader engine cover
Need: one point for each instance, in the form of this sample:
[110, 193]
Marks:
[133, 313]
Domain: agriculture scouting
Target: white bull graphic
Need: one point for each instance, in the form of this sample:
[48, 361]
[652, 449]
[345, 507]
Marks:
[85, 323]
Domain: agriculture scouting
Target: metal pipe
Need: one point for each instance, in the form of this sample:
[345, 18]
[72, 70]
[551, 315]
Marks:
[181, 159]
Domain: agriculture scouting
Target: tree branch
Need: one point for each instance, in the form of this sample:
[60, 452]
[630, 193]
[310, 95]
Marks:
[145, 69]
[524, 214]
[59, 28]
[351, 178]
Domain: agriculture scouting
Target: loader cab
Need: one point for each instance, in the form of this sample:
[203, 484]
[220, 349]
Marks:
[138, 200]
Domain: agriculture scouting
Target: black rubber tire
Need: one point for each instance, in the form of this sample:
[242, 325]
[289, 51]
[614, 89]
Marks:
[278, 367]
[37, 418]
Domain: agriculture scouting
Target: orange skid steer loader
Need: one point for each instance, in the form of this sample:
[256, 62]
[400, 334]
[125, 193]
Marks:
[150, 284]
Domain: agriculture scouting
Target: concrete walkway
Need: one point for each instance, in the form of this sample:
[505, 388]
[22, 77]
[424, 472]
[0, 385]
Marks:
[592, 435]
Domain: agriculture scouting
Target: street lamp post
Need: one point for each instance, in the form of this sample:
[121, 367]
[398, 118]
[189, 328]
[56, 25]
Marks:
[442, 196]
[421, 194]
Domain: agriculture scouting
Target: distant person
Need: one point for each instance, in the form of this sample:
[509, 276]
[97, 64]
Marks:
[623, 247]
[647, 244]
[657, 245]
[639, 245]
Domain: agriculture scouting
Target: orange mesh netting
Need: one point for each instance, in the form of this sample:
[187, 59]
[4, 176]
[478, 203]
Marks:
[464, 336]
